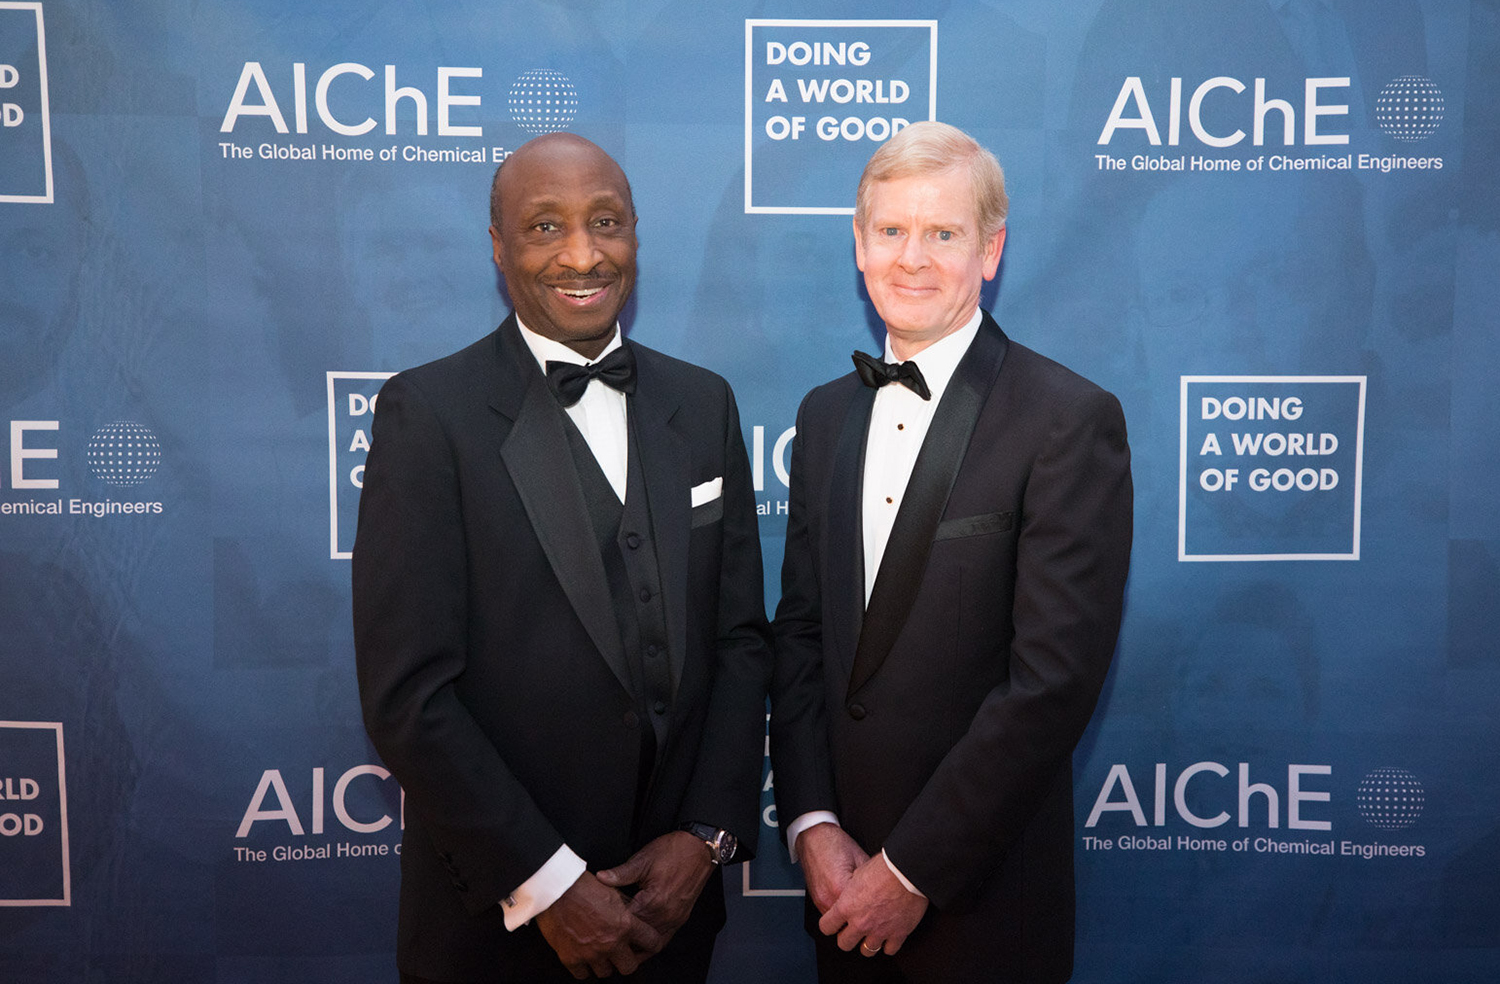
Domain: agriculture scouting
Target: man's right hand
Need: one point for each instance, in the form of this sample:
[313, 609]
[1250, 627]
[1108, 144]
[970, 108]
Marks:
[594, 932]
[829, 857]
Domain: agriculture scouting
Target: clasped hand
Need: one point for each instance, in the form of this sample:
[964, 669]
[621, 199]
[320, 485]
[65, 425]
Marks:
[597, 929]
[859, 896]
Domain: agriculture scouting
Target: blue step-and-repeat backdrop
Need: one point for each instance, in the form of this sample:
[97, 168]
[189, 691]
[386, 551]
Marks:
[1272, 227]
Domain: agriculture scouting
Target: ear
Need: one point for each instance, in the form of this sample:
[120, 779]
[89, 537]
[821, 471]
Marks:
[992, 250]
[496, 249]
[859, 247]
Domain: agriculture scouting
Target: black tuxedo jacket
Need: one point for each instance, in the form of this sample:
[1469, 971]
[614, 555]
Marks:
[939, 723]
[492, 674]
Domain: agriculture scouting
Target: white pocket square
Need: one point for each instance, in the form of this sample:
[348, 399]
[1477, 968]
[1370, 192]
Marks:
[708, 491]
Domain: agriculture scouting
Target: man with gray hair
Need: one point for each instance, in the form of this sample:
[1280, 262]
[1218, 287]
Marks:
[952, 589]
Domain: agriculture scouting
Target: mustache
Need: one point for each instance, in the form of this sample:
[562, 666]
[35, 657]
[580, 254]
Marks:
[593, 278]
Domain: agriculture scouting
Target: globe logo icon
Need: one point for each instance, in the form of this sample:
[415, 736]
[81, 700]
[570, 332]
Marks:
[1390, 799]
[123, 453]
[543, 101]
[1409, 108]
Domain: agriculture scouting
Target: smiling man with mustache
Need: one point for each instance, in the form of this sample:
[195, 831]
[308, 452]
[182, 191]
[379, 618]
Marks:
[559, 621]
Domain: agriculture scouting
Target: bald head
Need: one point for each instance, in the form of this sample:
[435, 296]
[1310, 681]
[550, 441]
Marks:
[549, 151]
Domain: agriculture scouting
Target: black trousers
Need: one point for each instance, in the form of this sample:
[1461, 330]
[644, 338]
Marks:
[685, 960]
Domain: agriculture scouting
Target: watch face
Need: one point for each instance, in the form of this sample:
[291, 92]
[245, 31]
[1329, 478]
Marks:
[722, 845]
[728, 846]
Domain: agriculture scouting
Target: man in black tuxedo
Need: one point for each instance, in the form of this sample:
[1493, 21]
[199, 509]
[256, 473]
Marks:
[559, 618]
[955, 566]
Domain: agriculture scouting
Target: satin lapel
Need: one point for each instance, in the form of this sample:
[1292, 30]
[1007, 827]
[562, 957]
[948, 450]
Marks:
[844, 595]
[665, 464]
[937, 465]
[537, 459]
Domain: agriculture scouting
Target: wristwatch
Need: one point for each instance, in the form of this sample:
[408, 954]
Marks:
[722, 845]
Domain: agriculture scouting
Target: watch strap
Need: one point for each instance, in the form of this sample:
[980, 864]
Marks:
[722, 845]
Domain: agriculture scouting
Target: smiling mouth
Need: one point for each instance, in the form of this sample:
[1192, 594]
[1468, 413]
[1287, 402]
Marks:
[580, 294]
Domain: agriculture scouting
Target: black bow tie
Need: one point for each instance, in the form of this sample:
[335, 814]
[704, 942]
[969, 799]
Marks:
[875, 374]
[569, 379]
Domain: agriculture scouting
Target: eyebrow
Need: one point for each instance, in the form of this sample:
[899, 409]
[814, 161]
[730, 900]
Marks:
[953, 226]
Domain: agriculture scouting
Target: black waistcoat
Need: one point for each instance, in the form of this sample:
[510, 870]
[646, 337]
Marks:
[628, 549]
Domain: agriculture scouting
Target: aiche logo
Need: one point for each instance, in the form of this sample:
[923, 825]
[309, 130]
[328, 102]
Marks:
[1409, 108]
[345, 90]
[43, 459]
[1202, 791]
[34, 865]
[543, 101]
[25, 122]
[354, 99]
[1215, 120]
[336, 106]
[363, 801]
[1136, 108]
[1210, 808]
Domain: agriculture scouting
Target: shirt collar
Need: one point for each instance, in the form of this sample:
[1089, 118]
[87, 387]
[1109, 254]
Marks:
[549, 350]
[939, 361]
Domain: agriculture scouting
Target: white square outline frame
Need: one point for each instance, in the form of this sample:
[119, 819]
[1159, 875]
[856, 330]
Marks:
[1359, 458]
[41, 59]
[750, 25]
[62, 817]
[763, 893]
[334, 553]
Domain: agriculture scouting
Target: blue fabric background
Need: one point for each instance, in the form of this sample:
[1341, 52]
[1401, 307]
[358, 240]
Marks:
[242, 309]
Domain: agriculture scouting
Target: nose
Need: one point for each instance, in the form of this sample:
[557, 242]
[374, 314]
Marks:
[913, 254]
[579, 251]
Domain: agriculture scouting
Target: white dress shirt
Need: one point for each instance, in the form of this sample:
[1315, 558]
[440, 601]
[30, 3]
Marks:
[899, 421]
[600, 416]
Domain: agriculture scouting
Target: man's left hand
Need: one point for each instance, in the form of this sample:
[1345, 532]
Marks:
[668, 873]
[875, 911]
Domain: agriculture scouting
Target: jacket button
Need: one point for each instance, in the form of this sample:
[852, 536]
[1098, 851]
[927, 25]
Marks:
[660, 707]
[645, 594]
[632, 540]
[857, 711]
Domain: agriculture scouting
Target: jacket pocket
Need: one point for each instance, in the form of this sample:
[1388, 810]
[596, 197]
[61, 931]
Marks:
[709, 512]
[952, 529]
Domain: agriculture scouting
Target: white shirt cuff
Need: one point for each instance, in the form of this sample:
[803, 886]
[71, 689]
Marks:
[800, 824]
[537, 893]
[905, 882]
